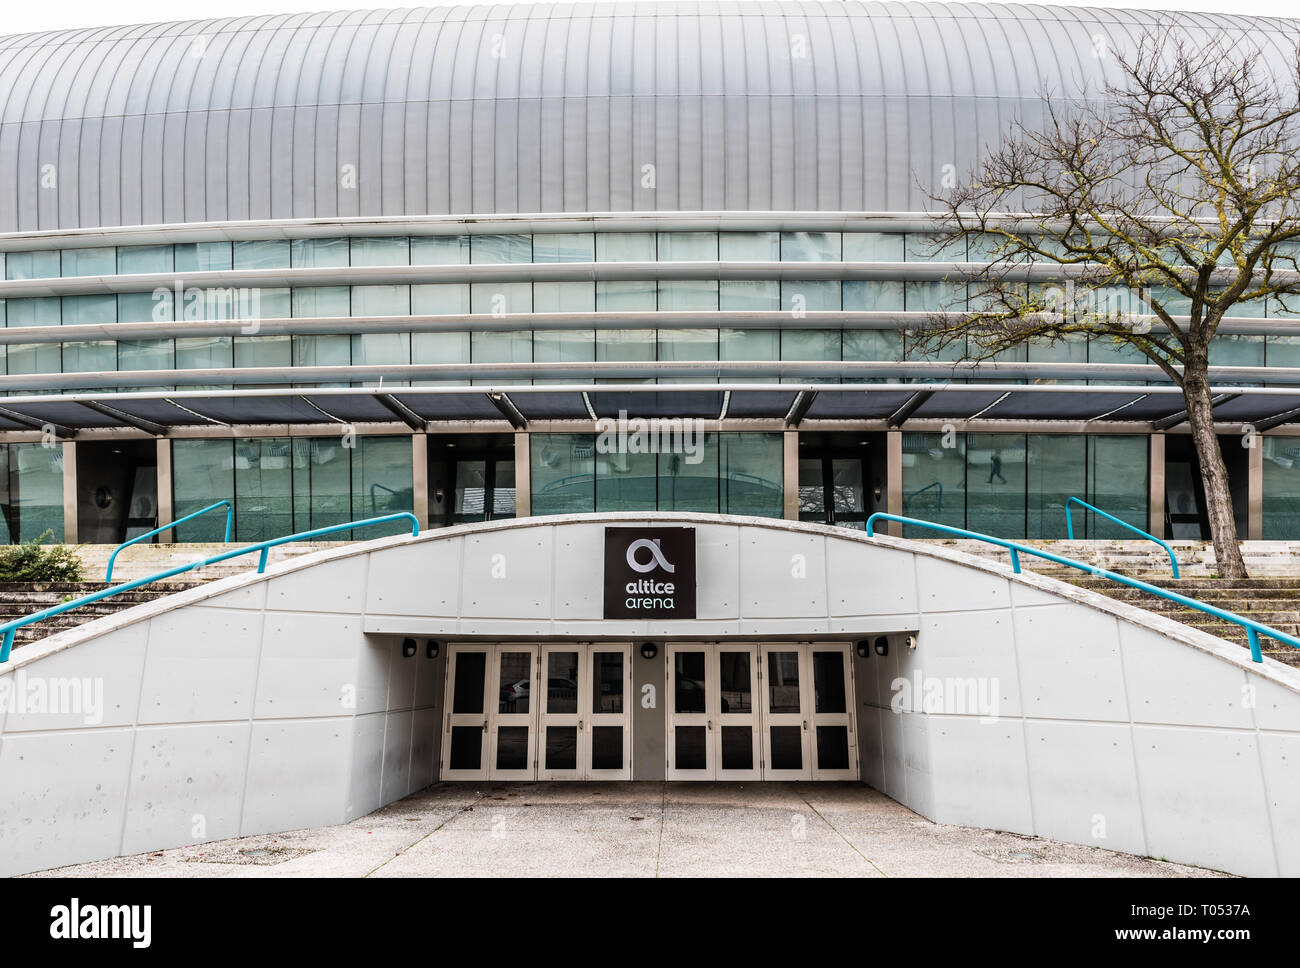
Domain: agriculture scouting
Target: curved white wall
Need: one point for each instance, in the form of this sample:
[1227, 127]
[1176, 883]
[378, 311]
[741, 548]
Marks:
[279, 701]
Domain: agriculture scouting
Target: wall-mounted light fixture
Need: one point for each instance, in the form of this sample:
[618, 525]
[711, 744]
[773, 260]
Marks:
[649, 650]
[431, 649]
[882, 646]
[408, 648]
[864, 649]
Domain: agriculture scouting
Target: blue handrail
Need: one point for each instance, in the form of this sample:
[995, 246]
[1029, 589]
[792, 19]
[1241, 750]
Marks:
[1253, 629]
[230, 517]
[1069, 527]
[922, 490]
[8, 629]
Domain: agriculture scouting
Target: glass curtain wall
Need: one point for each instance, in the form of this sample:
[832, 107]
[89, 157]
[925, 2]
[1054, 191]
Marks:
[1016, 485]
[32, 496]
[283, 485]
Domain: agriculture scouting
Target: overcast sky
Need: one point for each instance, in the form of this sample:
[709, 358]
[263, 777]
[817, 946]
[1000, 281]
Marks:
[22, 17]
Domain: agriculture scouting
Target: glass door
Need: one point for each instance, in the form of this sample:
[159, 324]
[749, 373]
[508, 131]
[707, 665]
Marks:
[785, 713]
[512, 739]
[582, 712]
[691, 754]
[560, 721]
[833, 734]
[737, 735]
[466, 728]
[609, 749]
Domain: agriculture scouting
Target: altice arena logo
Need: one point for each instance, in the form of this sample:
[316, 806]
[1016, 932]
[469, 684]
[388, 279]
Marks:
[656, 556]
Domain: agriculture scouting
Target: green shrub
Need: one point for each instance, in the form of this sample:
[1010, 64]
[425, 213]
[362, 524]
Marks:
[32, 562]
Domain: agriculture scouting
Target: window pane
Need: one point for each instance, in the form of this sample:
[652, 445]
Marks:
[688, 246]
[376, 349]
[269, 254]
[91, 356]
[89, 262]
[263, 351]
[802, 296]
[318, 253]
[746, 295]
[689, 482]
[381, 252]
[382, 482]
[34, 311]
[752, 473]
[34, 358]
[381, 300]
[1117, 483]
[322, 350]
[564, 346]
[564, 247]
[440, 250]
[625, 247]
[873, 247]
[204, 352]
[688, 344]
[870, 295]
[624, 481]
[499, 298]
[687, 295]
[873, 344]
[322, 483]
[934, 480]
[563, 473]
[263, 488]
[33, 498]
[749, 246]
[1281, 487]
[810, 246]
[995, 484]
[158, 306]
[1057, 467]
[203, 472]
[32, 265]
[564, 297]
[498, 249]
[625, 296]
[146, 354]
[440, 299]
[144, 258]
[203, 256]
[322, 301]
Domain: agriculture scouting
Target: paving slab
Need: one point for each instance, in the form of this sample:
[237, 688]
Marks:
[637, 829]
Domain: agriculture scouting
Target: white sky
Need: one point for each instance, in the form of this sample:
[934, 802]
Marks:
[23, 17]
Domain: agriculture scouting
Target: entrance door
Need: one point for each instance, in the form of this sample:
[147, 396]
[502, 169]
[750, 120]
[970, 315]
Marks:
[750, 712]
[713, 714]
[583, 713]
[520, 711]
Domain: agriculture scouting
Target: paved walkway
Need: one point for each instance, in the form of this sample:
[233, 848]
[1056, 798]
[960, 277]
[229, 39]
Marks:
[638, 829]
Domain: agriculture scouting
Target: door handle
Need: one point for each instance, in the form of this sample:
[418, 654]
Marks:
[805, 725]
[485, 724]
[710, 723]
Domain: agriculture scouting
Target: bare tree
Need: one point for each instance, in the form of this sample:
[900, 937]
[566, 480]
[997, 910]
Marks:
[1160, 202]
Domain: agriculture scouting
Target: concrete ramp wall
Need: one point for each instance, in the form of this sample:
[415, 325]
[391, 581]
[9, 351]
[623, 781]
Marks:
[280, 701]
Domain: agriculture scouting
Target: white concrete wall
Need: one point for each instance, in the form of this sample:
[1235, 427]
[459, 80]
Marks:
[1114, 727]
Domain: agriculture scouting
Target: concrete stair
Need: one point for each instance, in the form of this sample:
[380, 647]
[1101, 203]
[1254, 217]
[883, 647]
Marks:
[23, 598]
[1270, 596]
[139, 561]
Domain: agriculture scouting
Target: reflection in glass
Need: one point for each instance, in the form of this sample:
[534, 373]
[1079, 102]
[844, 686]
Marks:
[561, 747]
[688, 682]
[607, 747]
[471, 673]
[691, 748]
[832, 747]
[607, 682]
[734, 682]
[512, 748]
[783, 682]
[562, 682]
[737, 748]
[828, 682]
[466, 748]
[787, 748]
[514, 681]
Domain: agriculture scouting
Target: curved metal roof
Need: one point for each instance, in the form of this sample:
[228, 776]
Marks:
[739, 106]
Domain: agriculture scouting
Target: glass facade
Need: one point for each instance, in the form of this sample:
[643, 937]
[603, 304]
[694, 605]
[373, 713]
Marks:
[728, 473]
[33, 491]
[1016, 485]
[283, 485]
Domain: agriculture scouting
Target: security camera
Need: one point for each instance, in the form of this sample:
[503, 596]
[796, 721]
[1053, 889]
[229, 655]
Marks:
[910, 642]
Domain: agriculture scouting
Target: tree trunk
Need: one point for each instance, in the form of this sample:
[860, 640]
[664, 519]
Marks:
[1214, 476]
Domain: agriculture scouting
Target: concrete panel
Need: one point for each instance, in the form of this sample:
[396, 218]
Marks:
[1275, 706]
[97, 684]
[1084, 785]
[374, 661]
[333, 586]
[975, 647]
[366, 778]
[55, 816]
[424, 748]
[578, 570]
[1280, 756]
[717, 564]
[435, 590]
[186, 784]
[1171, 683]
[867, 581]
[250, 595]
[401, 677]
[428, 678]
[298, 775]
[1070, 666]
[945, 586]
[308, 666]
[507, 574]
[783, 575]
[397, 756]
[1203, 798]
[979, 773]
[201, 666]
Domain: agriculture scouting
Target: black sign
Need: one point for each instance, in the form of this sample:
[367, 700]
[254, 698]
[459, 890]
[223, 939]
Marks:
[649, 573]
